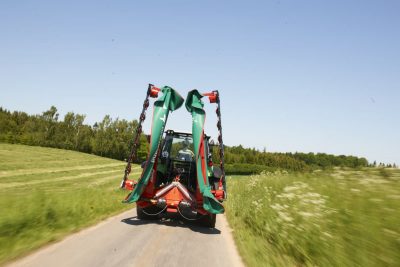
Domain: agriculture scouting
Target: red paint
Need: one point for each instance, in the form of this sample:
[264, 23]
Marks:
[154, 91]
[212, 96]
[130, 184]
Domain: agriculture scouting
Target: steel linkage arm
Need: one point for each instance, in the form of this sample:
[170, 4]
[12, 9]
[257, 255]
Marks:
[152, 91]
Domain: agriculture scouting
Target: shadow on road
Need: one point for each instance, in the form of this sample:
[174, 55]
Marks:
[172, 222]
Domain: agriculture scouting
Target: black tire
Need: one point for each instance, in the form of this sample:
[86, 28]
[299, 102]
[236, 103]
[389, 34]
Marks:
[208, 220]
[141, 215]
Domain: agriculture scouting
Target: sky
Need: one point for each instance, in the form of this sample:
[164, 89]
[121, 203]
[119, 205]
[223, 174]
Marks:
[308, 76]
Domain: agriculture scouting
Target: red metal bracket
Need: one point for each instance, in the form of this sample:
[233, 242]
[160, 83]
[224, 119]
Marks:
[212, 96]
[154, 91]
[130, 185]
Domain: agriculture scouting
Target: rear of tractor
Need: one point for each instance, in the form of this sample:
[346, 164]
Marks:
[178, 177]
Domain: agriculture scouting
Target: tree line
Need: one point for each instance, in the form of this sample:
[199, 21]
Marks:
[113, 138]
[242, 157]
[108, 138]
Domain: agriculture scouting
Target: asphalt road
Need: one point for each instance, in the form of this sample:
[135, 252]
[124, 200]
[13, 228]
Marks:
[124, 240]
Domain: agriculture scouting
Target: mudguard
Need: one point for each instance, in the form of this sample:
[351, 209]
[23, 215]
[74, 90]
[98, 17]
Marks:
[169, 101]
[195, 106]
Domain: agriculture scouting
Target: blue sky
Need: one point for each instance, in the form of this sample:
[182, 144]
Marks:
[320, 76]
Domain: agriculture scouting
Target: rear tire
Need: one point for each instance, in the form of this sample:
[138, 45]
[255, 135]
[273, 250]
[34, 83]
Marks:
[208, 220]
[141, 215]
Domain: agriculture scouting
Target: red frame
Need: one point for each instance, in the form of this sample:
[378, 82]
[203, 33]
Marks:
[172, 197]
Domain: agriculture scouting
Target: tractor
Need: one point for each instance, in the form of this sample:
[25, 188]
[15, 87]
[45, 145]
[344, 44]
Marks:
[178, 177]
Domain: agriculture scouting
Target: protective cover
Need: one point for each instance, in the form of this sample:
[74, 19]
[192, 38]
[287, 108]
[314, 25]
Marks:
[169, 101]
[195, 106]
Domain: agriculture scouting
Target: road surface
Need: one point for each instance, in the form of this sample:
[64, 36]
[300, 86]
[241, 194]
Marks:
[124, 240]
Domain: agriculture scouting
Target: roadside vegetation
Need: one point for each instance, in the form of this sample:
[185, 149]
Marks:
[47, 193]
[343, 217]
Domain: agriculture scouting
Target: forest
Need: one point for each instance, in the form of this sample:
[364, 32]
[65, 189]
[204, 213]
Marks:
[112, 138]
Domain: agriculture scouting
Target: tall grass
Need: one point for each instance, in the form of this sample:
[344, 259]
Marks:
[47, 193]
[340, 218]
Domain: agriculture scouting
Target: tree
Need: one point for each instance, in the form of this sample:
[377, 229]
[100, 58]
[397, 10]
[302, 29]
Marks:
[113, 138]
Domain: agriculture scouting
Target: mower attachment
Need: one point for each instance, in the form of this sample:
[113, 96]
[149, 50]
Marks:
[169, 101]
[178, 176]
[195, 106]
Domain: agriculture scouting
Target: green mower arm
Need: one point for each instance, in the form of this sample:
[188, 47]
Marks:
[169, 101]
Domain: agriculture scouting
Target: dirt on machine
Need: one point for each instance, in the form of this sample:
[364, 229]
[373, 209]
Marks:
[179, 177]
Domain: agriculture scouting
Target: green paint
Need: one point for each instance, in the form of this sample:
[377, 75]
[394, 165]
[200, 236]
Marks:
[169, 101]
[195, 106]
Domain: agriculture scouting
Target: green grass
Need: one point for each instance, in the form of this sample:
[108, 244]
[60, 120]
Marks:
[336, 218]
[47, 193]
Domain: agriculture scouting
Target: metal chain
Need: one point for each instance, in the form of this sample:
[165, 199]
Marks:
[220, 141]
[136, 139]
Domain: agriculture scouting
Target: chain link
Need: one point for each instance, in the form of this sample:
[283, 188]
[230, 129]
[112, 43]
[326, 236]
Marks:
[136, 138]
[220, 141]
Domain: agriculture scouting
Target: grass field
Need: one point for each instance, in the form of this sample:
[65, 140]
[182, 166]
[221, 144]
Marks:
[48, 193]
[337, 218]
